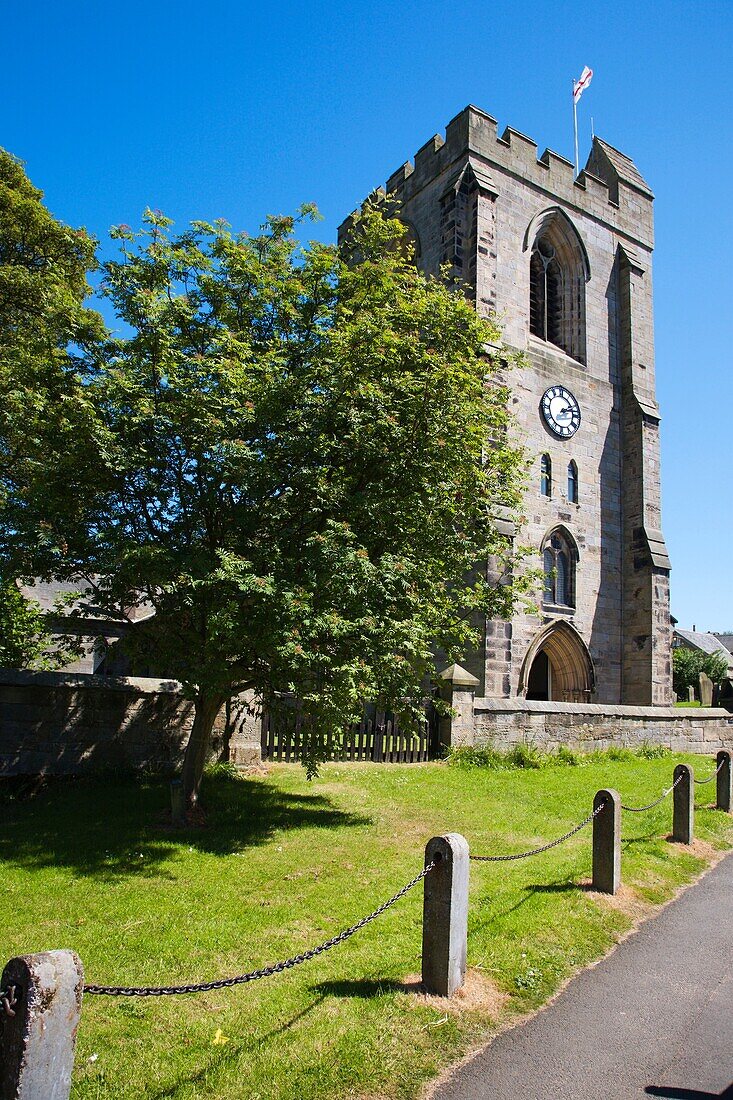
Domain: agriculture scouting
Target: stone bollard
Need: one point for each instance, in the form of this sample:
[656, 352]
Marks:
[607, 842]
[178, 809]
[445, 915]
[724, 778]
[37, 1043]
[683, 815]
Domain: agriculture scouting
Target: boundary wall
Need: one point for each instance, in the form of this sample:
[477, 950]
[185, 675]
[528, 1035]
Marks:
[60, 723]
[504, 723]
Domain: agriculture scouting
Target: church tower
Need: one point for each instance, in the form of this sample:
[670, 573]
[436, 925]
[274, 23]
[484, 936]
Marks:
[565, 264]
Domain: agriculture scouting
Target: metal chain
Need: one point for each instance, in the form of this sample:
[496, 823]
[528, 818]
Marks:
[710, 778]
[643, 809]
[265, 972]
[9, 999]
[544, 847]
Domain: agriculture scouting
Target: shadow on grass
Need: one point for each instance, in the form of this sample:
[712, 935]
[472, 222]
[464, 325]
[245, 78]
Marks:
[110, 829]
[568, 886]
[231, 1054]
[365, 989]
[641, 839]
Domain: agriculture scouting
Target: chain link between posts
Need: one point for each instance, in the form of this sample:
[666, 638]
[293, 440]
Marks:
[666, 794]
[543, 847]
[264, 972]
[9, 1000]
[710, 778]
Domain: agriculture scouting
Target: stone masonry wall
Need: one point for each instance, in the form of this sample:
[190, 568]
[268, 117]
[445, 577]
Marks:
[57, 723]
[503, 723]
[474, 199]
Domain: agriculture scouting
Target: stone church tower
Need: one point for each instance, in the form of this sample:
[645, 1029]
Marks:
[565, 264]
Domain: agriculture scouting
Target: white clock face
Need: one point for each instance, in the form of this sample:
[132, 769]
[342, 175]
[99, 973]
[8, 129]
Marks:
[561, 411]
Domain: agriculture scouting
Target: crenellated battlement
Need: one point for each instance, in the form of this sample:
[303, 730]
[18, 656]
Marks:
[610, 186]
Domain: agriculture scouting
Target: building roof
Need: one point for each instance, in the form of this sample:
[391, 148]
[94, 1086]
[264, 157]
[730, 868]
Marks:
[726, 639]
[706, 642]
[47, 595]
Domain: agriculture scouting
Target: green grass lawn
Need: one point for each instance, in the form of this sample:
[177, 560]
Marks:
[284, 864]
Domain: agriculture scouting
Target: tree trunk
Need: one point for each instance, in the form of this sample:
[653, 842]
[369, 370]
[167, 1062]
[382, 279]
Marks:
[206, 709]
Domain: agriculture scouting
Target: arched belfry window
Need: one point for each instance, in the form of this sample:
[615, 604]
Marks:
[546, 293]
[559, 557]
[572, 482]
[546, 476]
[558, 272]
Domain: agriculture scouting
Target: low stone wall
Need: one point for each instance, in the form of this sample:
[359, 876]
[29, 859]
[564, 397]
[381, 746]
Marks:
[58, 723]
[503, 723]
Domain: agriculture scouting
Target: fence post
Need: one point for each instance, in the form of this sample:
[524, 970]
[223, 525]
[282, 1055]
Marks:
[607, 842]
[724, 787]
[380, 722]
[683, 817]
[445, 915]
[37, 1043]
[178, 815]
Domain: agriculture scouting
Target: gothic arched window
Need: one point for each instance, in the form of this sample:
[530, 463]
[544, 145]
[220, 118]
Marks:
[572, 483]
[558, 562]
[558, 271]
[546, 293]
[546, 476]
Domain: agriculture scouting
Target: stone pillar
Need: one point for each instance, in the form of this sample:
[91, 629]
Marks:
[607, 842]
[724, 781]
[445, 915]
[37, 1043]
[458, 690]
[683, 818]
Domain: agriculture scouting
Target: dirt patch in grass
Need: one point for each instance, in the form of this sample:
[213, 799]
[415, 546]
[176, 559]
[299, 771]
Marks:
[703, 850]
[479, 992]
[627, 900]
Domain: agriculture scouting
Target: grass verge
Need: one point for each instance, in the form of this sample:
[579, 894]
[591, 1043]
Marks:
[284, 864]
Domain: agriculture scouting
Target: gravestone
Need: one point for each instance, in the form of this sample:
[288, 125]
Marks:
[690, 694]
[706, 690]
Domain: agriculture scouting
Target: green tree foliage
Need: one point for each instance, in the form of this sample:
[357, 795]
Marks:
[45, 329]
[27, 636]
[291, 465]
[687, 664]
[23, 636]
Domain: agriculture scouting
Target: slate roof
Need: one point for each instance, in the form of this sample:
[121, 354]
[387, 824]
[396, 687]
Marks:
[708, 643]
[46, 593]
[726, 639]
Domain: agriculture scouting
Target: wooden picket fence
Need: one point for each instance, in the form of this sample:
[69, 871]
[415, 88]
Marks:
[377, 738]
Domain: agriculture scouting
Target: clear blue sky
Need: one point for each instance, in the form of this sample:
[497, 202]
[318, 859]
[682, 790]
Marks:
[237, 110]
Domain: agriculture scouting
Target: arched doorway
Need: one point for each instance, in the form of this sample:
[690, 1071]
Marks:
[558, 667]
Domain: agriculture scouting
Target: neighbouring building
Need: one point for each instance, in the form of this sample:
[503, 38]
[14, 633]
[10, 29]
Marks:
[98, 634]
[704, 642]
[566, 265]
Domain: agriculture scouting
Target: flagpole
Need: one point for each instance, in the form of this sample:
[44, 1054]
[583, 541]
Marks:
[575, 128]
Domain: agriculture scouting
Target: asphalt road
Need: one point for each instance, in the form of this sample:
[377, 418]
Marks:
[653, 1019]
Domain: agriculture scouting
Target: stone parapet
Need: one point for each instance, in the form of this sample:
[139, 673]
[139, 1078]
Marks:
[504, 723]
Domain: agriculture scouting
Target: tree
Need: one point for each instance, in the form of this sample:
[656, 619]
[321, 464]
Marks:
[27, 637]
[687, 664]
[291, 466]
[45, 331]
